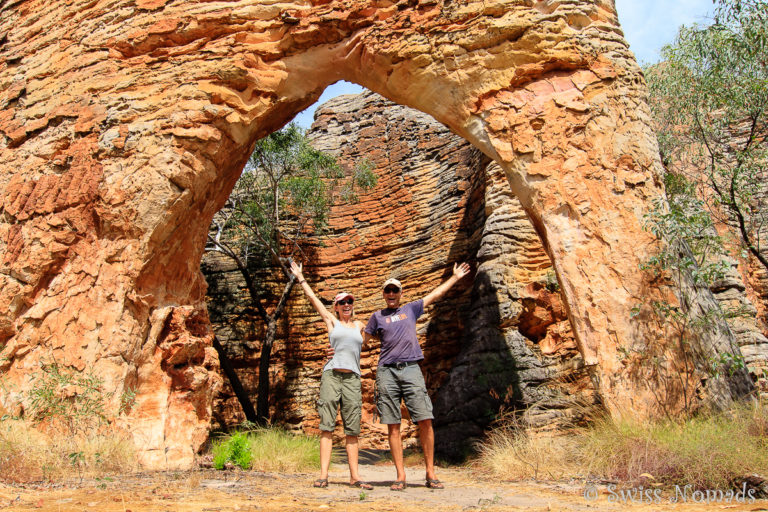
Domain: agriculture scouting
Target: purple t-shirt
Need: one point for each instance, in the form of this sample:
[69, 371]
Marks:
[396, 328]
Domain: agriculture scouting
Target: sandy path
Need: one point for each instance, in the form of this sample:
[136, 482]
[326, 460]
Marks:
[226, 491]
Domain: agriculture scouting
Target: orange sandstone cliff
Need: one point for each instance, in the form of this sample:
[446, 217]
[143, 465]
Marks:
[124, 126]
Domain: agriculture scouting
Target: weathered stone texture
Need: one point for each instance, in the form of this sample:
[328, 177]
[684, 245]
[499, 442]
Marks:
[425, 213]
[508, 342]
[124, 125]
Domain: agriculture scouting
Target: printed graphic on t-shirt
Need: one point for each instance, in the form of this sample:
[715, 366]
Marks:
[395, 318]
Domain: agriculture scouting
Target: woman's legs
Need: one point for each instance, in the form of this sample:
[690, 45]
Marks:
[327, 404]
[326, 445]
[352, 450]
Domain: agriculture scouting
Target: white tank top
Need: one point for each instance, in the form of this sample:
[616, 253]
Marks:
[347, 343]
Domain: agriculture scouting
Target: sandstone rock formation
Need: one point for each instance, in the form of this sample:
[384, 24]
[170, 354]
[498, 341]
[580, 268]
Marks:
[125, 124]
[513, 346]
[501, 338]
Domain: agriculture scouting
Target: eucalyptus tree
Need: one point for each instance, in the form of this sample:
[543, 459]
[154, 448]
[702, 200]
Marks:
[281, 201]
[709, 98]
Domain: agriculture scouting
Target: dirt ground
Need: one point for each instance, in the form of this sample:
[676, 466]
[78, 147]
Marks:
[227, 491]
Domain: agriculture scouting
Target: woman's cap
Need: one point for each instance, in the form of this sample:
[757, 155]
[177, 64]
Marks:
[342, 296]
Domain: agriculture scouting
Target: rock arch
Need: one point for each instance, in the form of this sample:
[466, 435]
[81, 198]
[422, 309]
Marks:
[125, 125]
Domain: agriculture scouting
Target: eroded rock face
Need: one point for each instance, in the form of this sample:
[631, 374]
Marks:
[501, 338]
[124, 126]
[425, 213]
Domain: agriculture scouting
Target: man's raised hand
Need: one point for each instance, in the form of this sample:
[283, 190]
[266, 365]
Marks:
[460, 270]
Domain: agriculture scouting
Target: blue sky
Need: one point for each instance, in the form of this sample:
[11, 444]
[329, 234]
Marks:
[648, 25]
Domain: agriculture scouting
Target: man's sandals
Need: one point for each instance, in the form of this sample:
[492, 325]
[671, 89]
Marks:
[362, 485]
[399, 485]
[434, 483]
[321, 482]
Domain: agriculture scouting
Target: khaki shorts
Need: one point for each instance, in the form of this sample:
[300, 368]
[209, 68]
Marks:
[340, 388]
[406, 384]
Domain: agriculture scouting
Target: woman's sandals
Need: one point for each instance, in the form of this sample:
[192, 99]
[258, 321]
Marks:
[321, 482]
[362, 485]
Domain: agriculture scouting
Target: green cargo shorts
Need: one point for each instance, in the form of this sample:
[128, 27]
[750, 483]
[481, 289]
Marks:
[405, 383]
[340, 388]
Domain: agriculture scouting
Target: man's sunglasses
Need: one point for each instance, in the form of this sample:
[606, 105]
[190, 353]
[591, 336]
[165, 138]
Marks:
[344, 302]
[391, 289]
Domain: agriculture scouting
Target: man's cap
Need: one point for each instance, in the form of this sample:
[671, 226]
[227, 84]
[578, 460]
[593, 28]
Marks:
[342, 296]
[392, 281]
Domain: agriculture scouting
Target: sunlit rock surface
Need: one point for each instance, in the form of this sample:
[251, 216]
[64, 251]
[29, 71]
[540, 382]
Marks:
[124, 125]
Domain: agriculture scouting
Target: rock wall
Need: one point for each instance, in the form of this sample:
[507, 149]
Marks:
[503, 341]
[124, 125]
[511, 348]
[426, 212]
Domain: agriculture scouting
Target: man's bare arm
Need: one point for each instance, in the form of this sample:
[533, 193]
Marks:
[459, 271]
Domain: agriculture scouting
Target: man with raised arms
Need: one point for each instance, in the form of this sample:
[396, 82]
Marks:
[399, 377]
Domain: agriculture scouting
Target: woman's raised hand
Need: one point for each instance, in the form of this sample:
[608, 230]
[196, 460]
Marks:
[296, 270]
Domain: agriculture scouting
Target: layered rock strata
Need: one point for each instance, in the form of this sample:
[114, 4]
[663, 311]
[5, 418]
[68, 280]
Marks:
[503, 342]
[425, 213]
[124, 125]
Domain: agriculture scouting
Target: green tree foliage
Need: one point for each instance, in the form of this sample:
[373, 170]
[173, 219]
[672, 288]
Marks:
[66, 397]
[709, 99]
[281, 201]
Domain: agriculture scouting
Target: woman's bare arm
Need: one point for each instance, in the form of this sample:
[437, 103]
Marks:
[326, 315]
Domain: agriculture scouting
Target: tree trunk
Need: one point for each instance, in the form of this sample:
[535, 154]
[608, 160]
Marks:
[234, 381]
[262, 402]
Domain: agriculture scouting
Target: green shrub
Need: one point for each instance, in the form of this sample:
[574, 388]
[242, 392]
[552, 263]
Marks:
[65, 397]
[236, 449]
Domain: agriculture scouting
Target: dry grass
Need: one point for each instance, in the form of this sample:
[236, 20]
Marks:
[276, 450]
[268, 449]
[29, 455]
[510, 454]
[708, 452]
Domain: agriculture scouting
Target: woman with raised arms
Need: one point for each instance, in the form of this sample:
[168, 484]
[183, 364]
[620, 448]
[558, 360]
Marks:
[340, 383]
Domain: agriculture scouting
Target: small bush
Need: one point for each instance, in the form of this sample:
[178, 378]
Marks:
[63, 397]
[65, 431]
[236, 449]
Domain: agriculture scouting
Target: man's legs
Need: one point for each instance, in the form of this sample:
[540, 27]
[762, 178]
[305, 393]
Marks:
[396, 449]
[427, 438]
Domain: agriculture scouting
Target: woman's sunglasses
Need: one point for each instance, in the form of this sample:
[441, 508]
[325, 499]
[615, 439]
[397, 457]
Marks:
[344, 302]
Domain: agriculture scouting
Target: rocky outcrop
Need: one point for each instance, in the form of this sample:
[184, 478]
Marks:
[124, 126]
[504, 341]
[425, 213]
